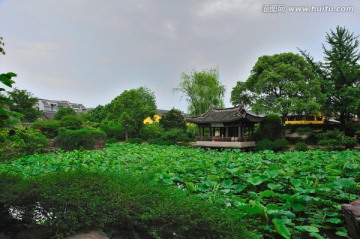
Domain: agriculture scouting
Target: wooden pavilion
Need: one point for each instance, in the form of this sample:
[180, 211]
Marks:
[226, 128]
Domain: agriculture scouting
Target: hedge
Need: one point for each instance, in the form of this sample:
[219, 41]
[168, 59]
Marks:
[73, 201]
[79, 139]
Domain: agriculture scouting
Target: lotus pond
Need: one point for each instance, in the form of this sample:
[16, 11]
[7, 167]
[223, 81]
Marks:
[291, 194]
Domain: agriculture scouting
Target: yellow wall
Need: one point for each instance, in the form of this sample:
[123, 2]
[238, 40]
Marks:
[150, 120]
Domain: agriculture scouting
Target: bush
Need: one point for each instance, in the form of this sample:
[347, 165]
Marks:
[49, 128]
[151, 131]
[135, 141]
[79, 139]
[192, 131]
[72, 201]
[271, 127]
[71, 122]
[280, 145]
[21, 141]
[111, 140]
[161, 141]
[113, 130]
[301, 146]
[335, 140]
[264, 144]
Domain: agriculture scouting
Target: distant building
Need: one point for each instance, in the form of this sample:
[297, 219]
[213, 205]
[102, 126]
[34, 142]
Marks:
[50, 107]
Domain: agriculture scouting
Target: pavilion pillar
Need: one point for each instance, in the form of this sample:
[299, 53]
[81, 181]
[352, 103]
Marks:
[239, 133]
[226, 131]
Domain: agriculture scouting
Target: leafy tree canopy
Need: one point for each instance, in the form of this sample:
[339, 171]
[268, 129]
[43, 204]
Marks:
[282, 83]
[201, 90]
[173, 119]
[131, 107]
[64, 111]
[25, 103]
[339, 73]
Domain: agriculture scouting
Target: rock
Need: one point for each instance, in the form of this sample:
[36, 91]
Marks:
[352, 217]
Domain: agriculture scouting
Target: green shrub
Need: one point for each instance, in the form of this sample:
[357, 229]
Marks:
[271, 127]
[72, 201]
[301, 146]
[20, 142]
[192, 131]
[173, 119]
[71, 122]
[49, 128]
[79, 139]
[349, 142]
[335, 140]
[151, 131]
[113, 130]
[264, 144]
[135, 141]
[111, 140]
[161, 141]
[280, 145]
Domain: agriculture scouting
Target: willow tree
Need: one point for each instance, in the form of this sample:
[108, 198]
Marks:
[202, 89]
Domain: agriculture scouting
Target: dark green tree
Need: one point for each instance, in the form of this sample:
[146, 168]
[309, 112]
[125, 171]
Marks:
[25, 103]
[271, 127]
[281, 83]
[340, 73]
[96, 114]
[64, 111]
[173, 119]
[131, 107]
[202, 89]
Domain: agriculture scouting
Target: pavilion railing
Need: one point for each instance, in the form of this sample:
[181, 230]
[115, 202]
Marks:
[224, 139]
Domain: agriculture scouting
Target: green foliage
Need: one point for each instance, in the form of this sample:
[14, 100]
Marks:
[281, 83]
[303, 190]
[301, 146]
[151, 131]
[131, 107]
[161, 141]
[173, 119]
[135, 141]
[276, 146]
[271, 127]
[97, 114]
[280, 145]
[335, 140]
[79, 139]
[192, 131]
[71, 122]
[49, 128]
[339, 73]
[6, 115]
[73, 201]
[265, 144]
[202, 89]
[175, 135]
[24, 103]
[113, 129]
[64, 111]
[20, 141]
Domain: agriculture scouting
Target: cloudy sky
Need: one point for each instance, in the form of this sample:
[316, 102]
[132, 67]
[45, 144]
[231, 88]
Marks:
[89, 51]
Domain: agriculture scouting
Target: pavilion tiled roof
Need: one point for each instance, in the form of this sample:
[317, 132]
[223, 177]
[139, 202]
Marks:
[225, 115]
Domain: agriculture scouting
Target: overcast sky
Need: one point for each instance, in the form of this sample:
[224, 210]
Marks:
[90, 51]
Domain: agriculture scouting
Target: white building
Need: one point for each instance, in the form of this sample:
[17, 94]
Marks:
[50, 107]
